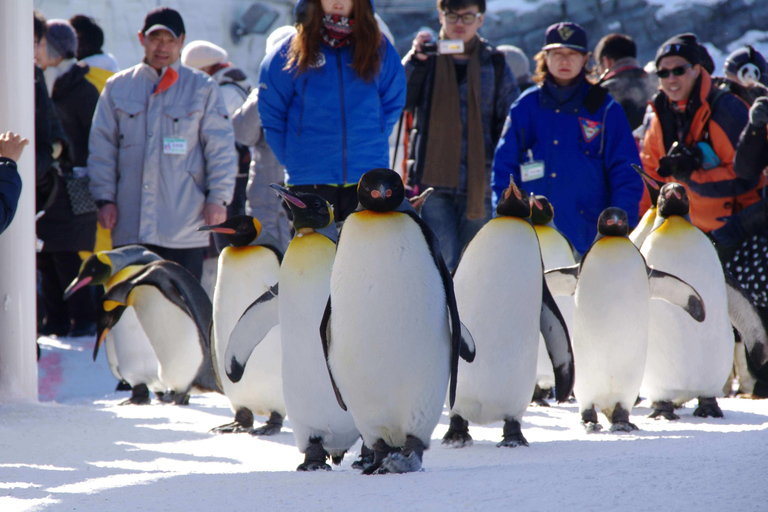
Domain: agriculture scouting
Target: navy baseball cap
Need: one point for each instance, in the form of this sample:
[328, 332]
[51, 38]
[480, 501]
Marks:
[163, 18]
[565, 35]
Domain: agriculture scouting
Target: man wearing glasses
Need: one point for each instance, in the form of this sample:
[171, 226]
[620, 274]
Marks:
[459, 101]
[693, 135]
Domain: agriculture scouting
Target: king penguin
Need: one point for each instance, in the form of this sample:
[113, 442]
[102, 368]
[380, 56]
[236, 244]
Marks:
[247, 269]
[128, 350]
[688, 359]
[175, 313]
[505, 309]
[556, 251]
[612, 288]
[391, 329]
[320, 427]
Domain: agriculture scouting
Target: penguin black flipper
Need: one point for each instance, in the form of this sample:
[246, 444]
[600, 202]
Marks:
[252, 327]
[563, 280]
[325, 336]
[745, 318]
[558, 344]
[105, 321]
[450, 297]
[467, 351]
[674, 290]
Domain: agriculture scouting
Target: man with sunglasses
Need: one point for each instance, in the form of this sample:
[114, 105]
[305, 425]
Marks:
[693, 134]
[459, 102]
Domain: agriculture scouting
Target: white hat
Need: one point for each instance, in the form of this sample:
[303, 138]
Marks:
[201, 54]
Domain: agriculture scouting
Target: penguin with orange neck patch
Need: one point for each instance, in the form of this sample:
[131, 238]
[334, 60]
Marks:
[391, 329]
[609, 345]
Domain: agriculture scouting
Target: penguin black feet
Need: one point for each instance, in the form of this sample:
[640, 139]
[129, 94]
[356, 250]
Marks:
[664, 409]
[121, 386]
[139, 396]
[620, 420]
[243, 423]
[366, 458]
[458, 433]
[540, 396]
[589, 420]
[380, 451]
[388, 459]
[708, 408]
[513, 436]
[315, 457]
[271, 427]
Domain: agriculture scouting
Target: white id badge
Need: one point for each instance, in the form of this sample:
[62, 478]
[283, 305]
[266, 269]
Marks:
[531, 171]
[174, 146]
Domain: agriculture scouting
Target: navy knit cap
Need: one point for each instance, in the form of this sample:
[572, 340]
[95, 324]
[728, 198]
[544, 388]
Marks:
[62, 37]
[682, 45]
[565, 35]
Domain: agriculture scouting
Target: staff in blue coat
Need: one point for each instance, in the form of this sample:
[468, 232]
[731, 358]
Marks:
[329, 97]
[568, 140]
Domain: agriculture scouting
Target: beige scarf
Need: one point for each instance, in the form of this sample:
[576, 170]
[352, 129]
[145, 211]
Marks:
[442, 165]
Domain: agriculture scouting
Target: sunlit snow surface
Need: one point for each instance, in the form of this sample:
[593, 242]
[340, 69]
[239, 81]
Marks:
[79, 450]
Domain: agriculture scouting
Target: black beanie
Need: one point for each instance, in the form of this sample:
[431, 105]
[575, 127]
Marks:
[683, 45]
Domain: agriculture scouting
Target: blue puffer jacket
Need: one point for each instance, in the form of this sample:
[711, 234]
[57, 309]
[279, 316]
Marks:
[586, 152]
[10, 189]
[328, 126]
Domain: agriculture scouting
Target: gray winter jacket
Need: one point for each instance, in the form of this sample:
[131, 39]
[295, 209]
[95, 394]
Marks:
[160, 156]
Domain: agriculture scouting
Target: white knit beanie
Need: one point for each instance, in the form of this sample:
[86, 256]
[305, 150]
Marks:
[201, 54]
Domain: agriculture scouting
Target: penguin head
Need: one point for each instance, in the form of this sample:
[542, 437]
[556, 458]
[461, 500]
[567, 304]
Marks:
[380, 190]
[613, 222]
[96, 269]
[514, 203]
[239, 230]
[310, 211]
[542, 211]
[673, 200]
[651, 185]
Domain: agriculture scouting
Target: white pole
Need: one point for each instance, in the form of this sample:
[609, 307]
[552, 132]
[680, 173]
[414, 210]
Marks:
[18, 361]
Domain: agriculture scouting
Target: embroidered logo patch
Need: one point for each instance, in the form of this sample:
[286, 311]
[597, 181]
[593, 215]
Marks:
[565, 32]
[590, 129]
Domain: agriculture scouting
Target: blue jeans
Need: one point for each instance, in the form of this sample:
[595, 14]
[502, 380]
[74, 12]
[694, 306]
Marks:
[446, 215]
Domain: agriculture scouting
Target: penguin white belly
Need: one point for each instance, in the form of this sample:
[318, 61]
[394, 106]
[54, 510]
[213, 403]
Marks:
[134, 354]
[610, 336]
[555, 252]
[390, 340]
[173, 335]
[109, 349]
[309, 398]
[687, 359]
[501, 309]
[244, 274]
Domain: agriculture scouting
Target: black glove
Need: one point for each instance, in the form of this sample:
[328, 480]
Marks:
[758, 112]
[680, 162]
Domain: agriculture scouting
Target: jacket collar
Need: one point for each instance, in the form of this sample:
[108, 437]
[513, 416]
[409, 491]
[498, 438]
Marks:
[153, 75]
[568, 99]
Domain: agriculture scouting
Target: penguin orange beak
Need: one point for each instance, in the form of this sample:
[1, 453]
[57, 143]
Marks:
[288, 196]
[76, 285]
[218, 229]
[535, 202]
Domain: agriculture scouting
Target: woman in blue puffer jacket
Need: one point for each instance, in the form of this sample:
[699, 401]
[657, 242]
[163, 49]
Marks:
[329, 97]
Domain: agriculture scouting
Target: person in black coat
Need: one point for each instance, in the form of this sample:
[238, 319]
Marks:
[63, 231]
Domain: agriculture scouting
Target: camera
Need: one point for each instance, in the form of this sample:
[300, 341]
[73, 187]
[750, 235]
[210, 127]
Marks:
[443, 47]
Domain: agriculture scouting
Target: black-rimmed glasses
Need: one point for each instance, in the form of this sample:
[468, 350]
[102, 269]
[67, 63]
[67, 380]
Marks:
[466, 18]
[677, 71]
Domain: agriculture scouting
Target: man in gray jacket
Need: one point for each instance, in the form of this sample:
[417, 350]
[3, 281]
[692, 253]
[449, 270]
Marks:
[162, 151]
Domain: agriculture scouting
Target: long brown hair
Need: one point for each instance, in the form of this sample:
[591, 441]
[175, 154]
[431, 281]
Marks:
[366, 40]
[542, 73]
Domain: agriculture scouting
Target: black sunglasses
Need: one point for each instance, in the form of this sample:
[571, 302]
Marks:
[678, 71]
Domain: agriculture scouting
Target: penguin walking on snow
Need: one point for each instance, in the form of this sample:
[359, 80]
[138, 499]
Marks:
[247, 269]
[612, 288]
[505, 309]
[391, 330]
[321, 429]
[687, 359]
[556, 251]
[129, 353]
[175, 313]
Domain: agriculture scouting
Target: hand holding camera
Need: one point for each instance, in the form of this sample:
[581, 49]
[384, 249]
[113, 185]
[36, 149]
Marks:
[424, 46]
[680, 162]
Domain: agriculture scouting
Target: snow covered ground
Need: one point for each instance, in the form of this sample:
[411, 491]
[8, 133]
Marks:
[79, 450]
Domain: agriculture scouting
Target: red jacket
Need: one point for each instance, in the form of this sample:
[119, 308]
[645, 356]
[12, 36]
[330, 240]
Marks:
[715, 192]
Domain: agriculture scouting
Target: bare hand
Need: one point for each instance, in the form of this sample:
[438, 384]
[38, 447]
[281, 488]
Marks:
[107, 216]
[12, 145]
[421, 38]
[214, 214]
